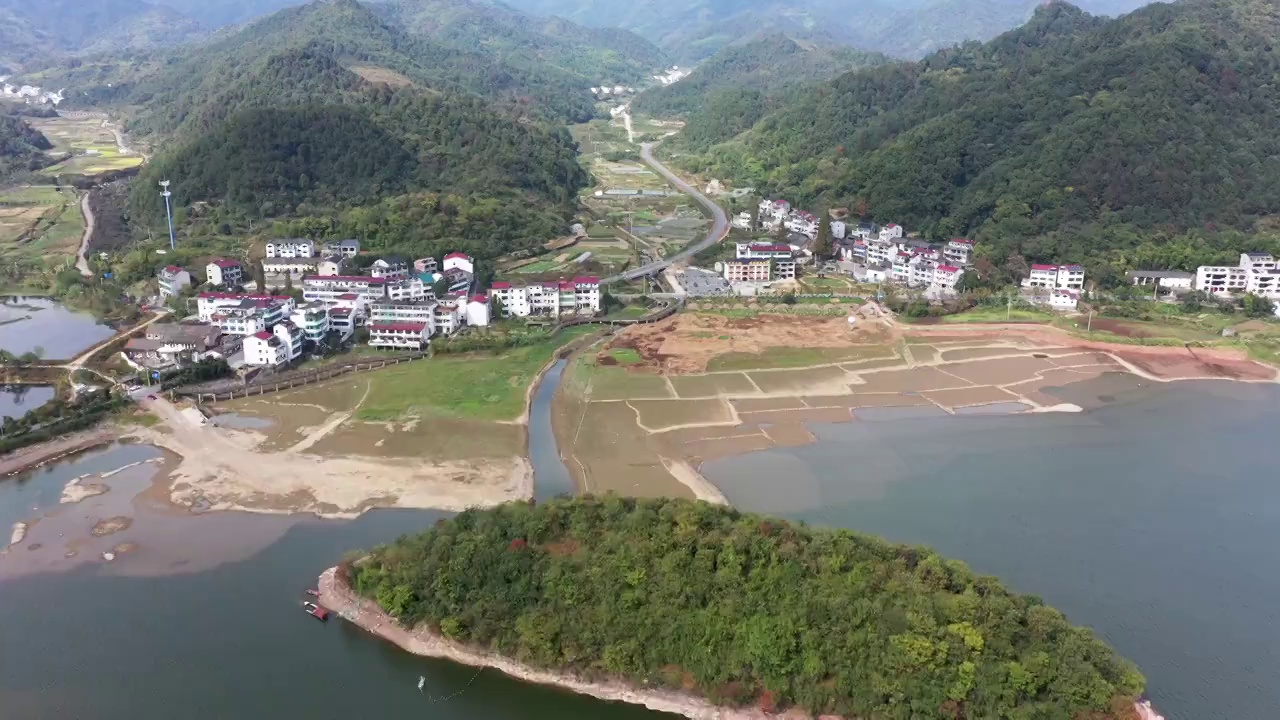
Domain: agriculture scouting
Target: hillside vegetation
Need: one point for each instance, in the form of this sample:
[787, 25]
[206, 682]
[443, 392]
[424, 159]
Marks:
[31, 29]
[1071, 138]
[737, 86]
[744, 609]
[22, 148]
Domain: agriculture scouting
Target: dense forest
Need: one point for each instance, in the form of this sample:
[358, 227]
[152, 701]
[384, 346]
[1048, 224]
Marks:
[31, 29]
[22, 147]
[739, 85]
[745, 609]
[1071, 138]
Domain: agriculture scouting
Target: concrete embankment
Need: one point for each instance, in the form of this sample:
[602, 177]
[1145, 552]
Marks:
[337, 595]
[41, 453]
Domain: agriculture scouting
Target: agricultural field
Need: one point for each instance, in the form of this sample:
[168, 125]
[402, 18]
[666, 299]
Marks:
[91, 143]
[39, 224]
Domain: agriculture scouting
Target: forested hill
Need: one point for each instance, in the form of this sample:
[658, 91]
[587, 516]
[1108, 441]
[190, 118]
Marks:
[745, 610]
[36, 28]
[609, 56]
[740, 84]
[21, 146]
[1066, 139]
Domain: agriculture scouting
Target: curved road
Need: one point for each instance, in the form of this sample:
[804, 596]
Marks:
[719, 223]
[82, 259]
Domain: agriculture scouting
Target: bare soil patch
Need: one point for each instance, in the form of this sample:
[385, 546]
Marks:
[789, 434]
[686, 342]
[1000, 372]
[800, 382]
[701, 386]
[773, 403]
[112, 525]
[821, 415]
[964, 397]
[908, 380]
[659, 415]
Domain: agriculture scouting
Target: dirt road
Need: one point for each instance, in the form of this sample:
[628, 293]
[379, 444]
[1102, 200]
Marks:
[82, 261]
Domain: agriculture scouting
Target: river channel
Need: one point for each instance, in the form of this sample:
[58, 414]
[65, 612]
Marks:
[1152, 520]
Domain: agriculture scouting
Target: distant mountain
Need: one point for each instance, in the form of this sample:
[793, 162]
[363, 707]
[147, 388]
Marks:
[220, 13]
[34, 28]
[1070, 138]
[695, 29]
[605, 55]
[21, 146]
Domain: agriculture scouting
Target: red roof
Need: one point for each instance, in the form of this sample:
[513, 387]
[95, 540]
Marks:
[240, 296]
[774, 247]
[348, 278]
[948, 269]
[1044, 267]
[264, 335]
[340, 311]
[172, 269]
[891, 226]
[452, 255]
[480, 299]
[398, 327]
[501, 286]
[566, 285]
[963, 241]
[225, 263]
[592, 279]
[348, 296]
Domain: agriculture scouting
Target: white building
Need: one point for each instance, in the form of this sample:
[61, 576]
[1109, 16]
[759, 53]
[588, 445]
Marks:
[805, 223]
[958, 252]
[1265, 283]
[264, 349]
[946, 276]
[450, 316]
[342, 320]
[413, 289]
[839, 229]
[287, 266]
[390, 268]
[274, 308]
[391, 312]
[173, 280]
[1257, 274]
[755, 251]
[1063, 299]
[291, 338]
[1222, 279]
[329, 288]
[1257, 262]
[1062, 277]
[775, 210]
[459, 261]
[478, 311]
[425, 265]
[742, 221]
[224, 272]
[754, 270]
[578, 296]
[877, 274]
[399, 335]
[293, 248]
[344, 248]
[331, 266]
[313, 319]
[1167, 279]
[891, 232]
[240, 321]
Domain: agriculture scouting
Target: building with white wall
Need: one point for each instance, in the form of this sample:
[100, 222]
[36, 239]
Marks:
[755, 270]
[224, 272]
[399, 335]
[565, 297]
[946, 276]
[958, 252]
[891, 232]
[391, 267]
[343, 248]
[763, 251]
[478, 311]
[264, 349]
[328, 288]
[313, 319]
[1256, 274]
[1167, 279]
[1062, 277]
[413, 289]
[288, 266]
[459, 261]
[173, 280]
[291, 248]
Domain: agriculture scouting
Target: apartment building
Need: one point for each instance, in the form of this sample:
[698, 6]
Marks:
[173, 280]
[425, 265]
[1256, 273]
[273, 308]
[1062, 277]
[264, 349]
[580, 295]
[891, 232]
[343, 248]
[392, 267]
[881, 252]
[291, 337]
[328, 288]
[958, 252]
[240, 321]
[389, 312]
[292, 248]
[313, 319]
[1222, 279]
[802, 222]
[450, 315]
[763, 251]
[224, 272]
[342, 320]
[399, 335]
[946, 276]
[413, 289]
[757, 270]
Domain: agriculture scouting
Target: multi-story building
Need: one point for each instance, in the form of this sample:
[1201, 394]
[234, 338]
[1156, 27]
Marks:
[580, 295]
[881, 252]
[922, 272]
[313, 319]
[1063, 299]
[1257, 262]
[264, 349]
[328, 289]
[784, 269]
[344, 248]
[757, 270]
[390, 312]
[775, 210]
[331, 266]
[946, 276]
[224, 272]
[173, 280]
[1062, 277]
[274, 308]
[391, 267]
[288, 266]
[291, 248]
[839, 230]
[802, 222]
[425, 265]
[239, 321]
[1222, 279]
[958, 252]
[891, 232]
[478, 310]
[1264, 282]
[459, 261]
[450, 315]
[1257, 274]
[399, 335]
[1164, 278]
[291, 337]
[342, 320]
[758, 251]
[413, 289]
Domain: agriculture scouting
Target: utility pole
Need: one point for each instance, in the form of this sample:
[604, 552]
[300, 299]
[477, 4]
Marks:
[1008, 315]
[168, 212]
[1090, 328]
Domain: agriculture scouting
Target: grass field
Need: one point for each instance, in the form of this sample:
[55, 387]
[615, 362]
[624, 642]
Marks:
[999, 315]
[625, 356]
[39, 224]
[478, 387]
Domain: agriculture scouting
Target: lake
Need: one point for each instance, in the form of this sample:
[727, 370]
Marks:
[43, 325]
[18, 400]
[1153, 520]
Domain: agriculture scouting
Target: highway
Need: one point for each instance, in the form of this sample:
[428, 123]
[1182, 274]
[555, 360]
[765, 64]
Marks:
[719, 223]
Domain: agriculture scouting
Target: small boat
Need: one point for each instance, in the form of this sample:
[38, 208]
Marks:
[316, 611]
[313, 592]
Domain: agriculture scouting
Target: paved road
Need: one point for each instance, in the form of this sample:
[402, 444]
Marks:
[82, 260]
[719, 224]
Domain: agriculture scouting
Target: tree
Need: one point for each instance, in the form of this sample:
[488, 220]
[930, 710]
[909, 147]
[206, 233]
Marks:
[755, 216]
[440, 287]
[1256, 306]
[260, 275]
[1192, 302]
[822, 244]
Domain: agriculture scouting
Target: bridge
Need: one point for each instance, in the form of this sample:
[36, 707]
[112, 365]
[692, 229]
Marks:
[719, 223]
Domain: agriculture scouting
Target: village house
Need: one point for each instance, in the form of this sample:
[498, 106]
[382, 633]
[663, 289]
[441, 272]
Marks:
[450, 315]
[425, 265]
[946, 276]
[173, 280]
[891, 232]
[565, 297]
[293, 248]
[1256, 273]
[1062, 277]
[1168, 279]
[342, 248]
[331, 266]
[166, 344]
[225, 273]
[414, 289]
[264, 349]
[755, 251]
[742, 221]
[327, 289]
[342, 320]
[391, 267]
[839, 230]
[478, 312]
[958, 252]
[273, 308]
[459, 261]
[804, 223]
[881, 252]
[774, 211]
[399, 335]
[276, 267]
[757, 270]
[313, 319]
[1063, 299]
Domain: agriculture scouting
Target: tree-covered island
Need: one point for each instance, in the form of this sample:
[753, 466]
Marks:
[744, 610]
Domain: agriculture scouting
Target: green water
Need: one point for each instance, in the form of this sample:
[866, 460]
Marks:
[1155, 521]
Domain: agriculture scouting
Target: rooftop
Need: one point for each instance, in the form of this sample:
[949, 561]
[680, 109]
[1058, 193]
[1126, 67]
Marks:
[222, 263]
[344, 278]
